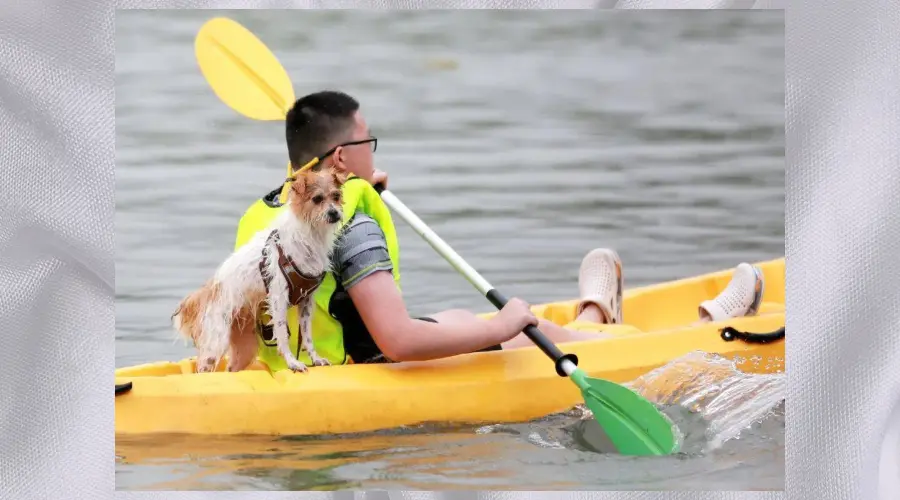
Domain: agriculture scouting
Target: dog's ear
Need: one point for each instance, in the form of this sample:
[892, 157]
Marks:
[339, 175]
[298, 182]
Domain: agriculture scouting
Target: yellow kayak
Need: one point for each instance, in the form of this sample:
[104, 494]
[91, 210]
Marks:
[498, 386]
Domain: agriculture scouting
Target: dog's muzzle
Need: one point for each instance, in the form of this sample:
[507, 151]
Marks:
[333, 216]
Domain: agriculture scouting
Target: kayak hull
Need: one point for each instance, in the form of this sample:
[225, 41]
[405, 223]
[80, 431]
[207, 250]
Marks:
[498, 386]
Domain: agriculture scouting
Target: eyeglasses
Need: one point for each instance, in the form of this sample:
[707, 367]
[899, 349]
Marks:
[316, 160]
[373, 140]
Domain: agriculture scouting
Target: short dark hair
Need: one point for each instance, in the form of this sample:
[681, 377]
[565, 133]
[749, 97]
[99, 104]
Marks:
[316, 123]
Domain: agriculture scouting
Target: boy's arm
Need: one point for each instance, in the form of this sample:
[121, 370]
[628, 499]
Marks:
[364, 266]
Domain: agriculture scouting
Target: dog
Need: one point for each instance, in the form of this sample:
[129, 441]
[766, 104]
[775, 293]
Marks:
[280, 266]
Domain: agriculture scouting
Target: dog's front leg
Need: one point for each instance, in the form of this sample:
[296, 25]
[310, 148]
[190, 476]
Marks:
[306, 343]
[278, 307]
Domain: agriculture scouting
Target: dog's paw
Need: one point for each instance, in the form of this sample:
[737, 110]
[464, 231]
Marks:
[297, 366]
[206, 365]
[319, 361]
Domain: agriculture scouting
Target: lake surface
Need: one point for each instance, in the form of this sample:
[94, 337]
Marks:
[524, 139]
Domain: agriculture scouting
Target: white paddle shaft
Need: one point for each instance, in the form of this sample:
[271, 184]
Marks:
[565, 363]
[436, 242]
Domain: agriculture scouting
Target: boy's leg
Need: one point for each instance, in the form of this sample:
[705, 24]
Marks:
[601, 285]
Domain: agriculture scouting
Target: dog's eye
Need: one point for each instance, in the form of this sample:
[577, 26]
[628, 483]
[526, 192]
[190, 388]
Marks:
[336, 196]
[318, 199]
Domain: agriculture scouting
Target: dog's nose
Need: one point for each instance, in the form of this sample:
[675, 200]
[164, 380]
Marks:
[333, 216]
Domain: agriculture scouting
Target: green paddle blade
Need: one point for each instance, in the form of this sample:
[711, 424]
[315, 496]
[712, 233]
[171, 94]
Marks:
[634, 425]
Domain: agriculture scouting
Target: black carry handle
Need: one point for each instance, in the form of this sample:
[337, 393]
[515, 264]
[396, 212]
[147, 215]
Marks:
[730, 334]
[537, 337]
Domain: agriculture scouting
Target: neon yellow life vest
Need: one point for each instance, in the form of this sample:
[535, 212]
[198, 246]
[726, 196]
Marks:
[328, 337]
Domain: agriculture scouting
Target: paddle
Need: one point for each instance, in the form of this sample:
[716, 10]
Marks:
[247, 76]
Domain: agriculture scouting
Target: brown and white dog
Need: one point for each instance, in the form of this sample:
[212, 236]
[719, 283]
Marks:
[281, 266]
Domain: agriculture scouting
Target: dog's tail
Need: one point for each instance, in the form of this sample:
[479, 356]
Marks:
[188, 316]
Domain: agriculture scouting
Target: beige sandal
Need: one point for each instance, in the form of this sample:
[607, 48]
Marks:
[600, 282]
[741, 297]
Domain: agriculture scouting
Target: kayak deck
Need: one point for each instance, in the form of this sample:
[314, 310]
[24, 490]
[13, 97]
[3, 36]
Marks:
[498, 386]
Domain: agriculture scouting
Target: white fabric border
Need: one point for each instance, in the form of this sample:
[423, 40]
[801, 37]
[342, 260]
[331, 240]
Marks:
[57, 272]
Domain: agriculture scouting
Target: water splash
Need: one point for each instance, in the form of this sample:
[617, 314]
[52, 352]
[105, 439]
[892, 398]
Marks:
[728, 400]
[710, 401]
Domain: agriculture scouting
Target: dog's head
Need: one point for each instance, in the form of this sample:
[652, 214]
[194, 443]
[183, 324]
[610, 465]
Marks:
[316, 196]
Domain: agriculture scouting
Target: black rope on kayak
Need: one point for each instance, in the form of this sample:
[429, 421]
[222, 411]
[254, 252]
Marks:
[123, 388]
[729, 334]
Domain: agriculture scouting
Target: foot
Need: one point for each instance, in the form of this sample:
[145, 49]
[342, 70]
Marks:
[296, 366]
[206, 364]
[600, 282]
[319, 360]
[741, 297]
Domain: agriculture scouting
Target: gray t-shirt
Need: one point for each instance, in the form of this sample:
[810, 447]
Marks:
[360, 251]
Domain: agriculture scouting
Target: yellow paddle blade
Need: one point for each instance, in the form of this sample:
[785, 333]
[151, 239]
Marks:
[242, 71]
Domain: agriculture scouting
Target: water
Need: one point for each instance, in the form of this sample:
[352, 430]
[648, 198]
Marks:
[524, 140]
